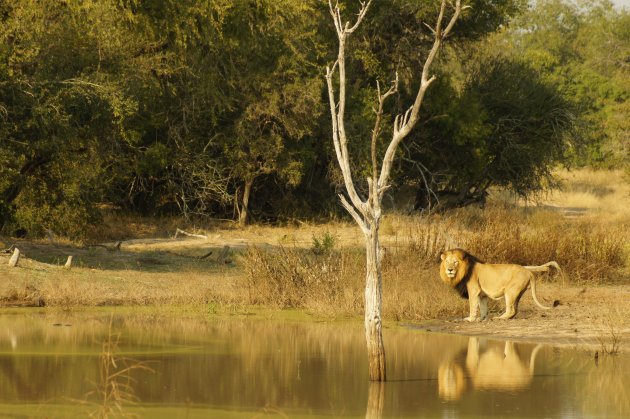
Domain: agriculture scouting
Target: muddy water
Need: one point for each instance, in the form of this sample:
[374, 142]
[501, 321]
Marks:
[51, 366]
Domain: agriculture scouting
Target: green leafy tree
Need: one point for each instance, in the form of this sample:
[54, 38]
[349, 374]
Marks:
[278, 91]
[243, 97]
[506, 127]
[214, 108]
[583, 48]
[60, 107]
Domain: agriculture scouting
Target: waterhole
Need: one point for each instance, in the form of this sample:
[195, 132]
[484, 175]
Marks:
[116, 364]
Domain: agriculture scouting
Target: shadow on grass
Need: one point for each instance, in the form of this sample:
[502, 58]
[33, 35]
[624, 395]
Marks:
[150, 260]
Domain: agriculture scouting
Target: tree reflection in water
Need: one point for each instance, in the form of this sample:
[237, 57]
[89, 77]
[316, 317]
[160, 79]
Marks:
[376, 400]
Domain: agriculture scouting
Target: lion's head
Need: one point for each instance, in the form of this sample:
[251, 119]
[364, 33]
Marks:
[455, 269]
[454, 265]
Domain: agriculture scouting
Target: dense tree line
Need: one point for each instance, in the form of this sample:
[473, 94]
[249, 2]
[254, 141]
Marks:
[214, 108]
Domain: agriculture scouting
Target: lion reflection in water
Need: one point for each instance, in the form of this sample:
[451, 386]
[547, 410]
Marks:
[491, 369]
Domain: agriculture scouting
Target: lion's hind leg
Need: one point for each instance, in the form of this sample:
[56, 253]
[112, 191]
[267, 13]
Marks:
[510, 308]
[512, 298]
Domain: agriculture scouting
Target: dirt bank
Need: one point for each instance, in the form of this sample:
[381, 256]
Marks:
[588, 317]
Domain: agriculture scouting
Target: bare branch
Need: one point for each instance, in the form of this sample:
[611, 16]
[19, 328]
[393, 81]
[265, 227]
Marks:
[337, 107]
[427, 184]
[438, 25]
[404, 125]
[430, 28]
[362, 12]
[383, 189]
[333, 111]
[458, 9]
[185, 233]
[336, 15]
[377, 130]
[353, 212]
[396, 125]
[405, 120]
[392, 89]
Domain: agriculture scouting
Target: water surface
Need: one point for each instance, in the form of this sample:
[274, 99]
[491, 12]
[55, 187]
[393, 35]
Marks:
[51, 366]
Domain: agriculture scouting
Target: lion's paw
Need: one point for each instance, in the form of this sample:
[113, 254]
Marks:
[471, 319]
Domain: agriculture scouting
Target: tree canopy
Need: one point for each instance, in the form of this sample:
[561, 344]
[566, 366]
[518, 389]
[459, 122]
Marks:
[211, 108]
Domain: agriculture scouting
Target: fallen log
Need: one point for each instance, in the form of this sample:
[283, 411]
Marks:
[109, 248]
[185, 233]
[190, 256]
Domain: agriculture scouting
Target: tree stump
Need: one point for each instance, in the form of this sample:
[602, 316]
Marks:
[13, 262]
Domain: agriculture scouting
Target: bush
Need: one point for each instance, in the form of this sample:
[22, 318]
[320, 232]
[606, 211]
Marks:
[333, 283]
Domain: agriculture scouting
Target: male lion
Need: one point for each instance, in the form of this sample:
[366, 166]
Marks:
[477, 281]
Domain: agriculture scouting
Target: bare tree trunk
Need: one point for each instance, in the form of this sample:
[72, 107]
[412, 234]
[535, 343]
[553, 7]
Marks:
[367, 212]
[242, 217]
[373, 306]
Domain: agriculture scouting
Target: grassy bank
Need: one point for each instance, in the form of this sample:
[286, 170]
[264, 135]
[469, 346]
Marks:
[320, 267]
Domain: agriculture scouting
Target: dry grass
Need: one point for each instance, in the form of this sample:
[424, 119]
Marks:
[334, 283]
[586, 250]
[37, 283]
[598, 193]
[321, 267]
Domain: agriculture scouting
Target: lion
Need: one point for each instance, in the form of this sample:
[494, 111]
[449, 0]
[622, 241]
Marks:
[477, 281]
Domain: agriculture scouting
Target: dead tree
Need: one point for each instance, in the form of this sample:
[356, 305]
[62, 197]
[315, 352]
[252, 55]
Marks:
[367, 212]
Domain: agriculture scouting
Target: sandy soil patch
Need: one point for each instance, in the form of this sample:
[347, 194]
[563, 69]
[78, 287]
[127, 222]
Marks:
[589, 317]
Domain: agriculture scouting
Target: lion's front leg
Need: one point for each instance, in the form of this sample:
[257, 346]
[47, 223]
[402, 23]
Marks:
[473, 301]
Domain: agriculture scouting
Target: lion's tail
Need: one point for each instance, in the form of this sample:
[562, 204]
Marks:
[533, 282]
[543, 268]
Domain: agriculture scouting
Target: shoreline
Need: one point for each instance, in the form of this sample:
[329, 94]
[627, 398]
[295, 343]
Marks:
[581, 342]
[563, 332]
